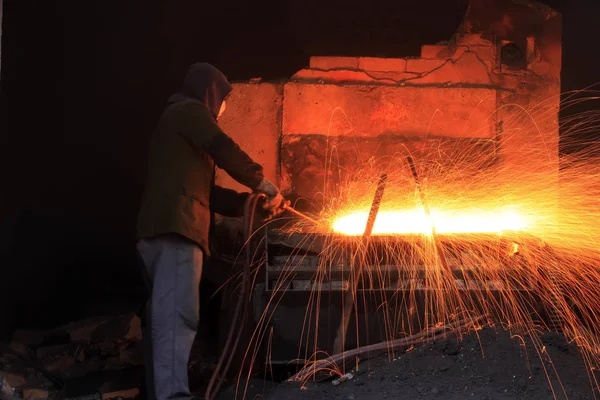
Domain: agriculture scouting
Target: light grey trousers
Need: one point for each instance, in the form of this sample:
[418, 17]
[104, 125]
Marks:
[174, 267]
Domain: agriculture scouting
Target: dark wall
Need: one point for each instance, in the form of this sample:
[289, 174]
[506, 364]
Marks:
[83, 82]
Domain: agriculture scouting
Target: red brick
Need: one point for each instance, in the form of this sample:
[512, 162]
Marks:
[375, 110]
[421, 65]
[327, 63]
[431, 51]
[382, 64]
[253, 120]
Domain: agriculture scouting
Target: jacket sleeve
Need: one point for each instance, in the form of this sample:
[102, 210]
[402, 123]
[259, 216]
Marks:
[206, 135]
[227, 202]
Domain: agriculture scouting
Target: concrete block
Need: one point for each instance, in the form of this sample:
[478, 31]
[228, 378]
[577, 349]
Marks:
[348, 76]
[394, 76]
[431, 51]
[382, 64]
[313, 167]
[421, 65]
[357, 110]
[473, 40]
[530, 129]
[486, 54]
[449, 53]
[468, 69]
[253, 120]
[334, 62]
[333, 76]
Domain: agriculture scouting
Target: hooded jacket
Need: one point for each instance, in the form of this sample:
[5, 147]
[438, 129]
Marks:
[180, 193]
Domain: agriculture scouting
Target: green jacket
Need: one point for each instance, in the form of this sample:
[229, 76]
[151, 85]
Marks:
[180, 193]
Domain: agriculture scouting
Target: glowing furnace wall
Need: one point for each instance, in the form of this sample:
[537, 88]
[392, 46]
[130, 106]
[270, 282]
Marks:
[496, 83]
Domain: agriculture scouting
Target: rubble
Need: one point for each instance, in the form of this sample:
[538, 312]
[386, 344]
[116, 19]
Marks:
[14, 379]
[110, 391]
[35, 393]
[75, 350]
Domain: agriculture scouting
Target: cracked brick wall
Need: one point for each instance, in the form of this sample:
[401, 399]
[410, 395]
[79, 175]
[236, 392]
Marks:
[495, 84]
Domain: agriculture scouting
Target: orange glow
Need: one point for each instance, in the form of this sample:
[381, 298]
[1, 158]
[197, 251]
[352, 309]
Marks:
[416, 221]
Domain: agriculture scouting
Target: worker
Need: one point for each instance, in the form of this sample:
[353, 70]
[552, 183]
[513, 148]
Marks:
[176, 211]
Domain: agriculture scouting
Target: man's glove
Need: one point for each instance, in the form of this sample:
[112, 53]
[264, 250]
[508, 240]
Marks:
[267, 187]
[274, 206]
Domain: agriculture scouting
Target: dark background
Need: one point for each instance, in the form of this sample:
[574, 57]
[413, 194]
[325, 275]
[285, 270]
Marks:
[83, 83]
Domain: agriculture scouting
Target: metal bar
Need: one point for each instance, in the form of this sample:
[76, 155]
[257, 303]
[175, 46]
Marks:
[299, 214]
[349, 297]
[438, 250]
[413, 169]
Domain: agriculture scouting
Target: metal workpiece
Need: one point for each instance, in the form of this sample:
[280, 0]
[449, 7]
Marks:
[310, 261]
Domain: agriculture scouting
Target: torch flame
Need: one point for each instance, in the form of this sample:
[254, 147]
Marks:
[416, 221]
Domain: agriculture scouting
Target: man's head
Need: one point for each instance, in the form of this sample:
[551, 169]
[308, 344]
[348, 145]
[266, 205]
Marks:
[207, 84]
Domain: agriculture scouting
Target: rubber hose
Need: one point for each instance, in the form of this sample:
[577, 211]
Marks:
[229, 350]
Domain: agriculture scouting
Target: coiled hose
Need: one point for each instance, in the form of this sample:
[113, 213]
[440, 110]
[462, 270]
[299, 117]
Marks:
[231, 344]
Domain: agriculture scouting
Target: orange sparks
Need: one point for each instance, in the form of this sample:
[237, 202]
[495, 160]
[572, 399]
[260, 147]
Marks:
[416, 221]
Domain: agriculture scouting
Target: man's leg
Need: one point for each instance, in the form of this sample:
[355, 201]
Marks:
[148, 253]
[174, 313]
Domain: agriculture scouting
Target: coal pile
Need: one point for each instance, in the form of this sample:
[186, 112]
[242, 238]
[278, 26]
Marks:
[488, 364]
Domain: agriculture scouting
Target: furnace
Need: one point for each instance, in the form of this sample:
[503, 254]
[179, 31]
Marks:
[482, 106]
[493, 88]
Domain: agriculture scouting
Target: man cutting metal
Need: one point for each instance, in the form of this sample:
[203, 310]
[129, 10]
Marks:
[176, 211]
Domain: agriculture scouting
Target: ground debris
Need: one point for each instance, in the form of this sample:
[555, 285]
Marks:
[487, 364]
[114, 391]
[14, 379]
[73, 351]
[342, 379]
[122, 328]
[35, 394]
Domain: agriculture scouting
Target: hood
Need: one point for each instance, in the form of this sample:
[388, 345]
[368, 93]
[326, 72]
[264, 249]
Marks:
[205, 83]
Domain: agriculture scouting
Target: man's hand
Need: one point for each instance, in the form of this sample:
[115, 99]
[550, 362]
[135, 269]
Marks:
[267, 187]
[274, 206]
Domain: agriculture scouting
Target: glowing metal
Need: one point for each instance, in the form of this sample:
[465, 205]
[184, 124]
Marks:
[416, 221]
